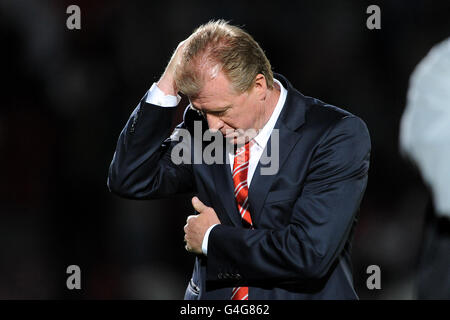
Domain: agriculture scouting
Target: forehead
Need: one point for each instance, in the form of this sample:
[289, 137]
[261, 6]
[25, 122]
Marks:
[216, 90]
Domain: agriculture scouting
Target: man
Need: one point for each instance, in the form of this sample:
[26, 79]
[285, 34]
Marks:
[282, 235]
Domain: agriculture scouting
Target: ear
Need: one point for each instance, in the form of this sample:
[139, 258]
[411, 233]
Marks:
[260, 86]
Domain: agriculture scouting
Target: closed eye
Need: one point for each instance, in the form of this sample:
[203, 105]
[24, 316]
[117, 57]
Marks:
[217, 113]
[220, 112]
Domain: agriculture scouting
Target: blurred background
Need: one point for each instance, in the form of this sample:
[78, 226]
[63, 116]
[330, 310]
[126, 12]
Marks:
[66, 94]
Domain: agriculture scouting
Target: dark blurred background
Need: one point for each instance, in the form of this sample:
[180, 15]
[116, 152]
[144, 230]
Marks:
[66, 94]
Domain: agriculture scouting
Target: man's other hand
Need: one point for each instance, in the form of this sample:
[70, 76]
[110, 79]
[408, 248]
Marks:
[196, 225]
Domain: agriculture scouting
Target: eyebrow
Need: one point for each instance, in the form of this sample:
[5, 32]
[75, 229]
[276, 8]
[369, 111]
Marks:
[213, 112]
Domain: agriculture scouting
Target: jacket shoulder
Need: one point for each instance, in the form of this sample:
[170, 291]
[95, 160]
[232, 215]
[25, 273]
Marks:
[323, 115]
[319, 112]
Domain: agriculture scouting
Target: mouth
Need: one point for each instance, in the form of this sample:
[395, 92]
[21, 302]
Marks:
[231, 135]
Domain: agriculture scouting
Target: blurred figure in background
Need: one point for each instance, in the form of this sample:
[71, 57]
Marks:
[425, 139]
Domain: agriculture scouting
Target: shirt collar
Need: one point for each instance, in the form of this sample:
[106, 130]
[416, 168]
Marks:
[264, 134]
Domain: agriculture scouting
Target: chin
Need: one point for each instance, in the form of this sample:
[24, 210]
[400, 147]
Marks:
[240, 140]
[232, 140]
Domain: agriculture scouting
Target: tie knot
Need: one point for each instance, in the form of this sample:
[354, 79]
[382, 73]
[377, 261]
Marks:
[242, 154]
[239, 149]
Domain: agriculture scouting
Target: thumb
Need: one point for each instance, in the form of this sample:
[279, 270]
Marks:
[198, 205]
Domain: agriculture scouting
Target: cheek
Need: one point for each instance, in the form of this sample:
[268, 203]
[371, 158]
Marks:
[240, 118]
[246, 120]
[231, 121]
[241, 121]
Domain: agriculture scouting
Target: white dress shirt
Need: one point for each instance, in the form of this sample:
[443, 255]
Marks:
[157, 97]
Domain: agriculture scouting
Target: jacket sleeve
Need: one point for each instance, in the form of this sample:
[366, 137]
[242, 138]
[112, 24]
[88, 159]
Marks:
[142, 167]
[320, 223]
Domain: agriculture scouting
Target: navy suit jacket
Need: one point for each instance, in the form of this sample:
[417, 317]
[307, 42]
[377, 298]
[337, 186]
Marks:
[303, 216]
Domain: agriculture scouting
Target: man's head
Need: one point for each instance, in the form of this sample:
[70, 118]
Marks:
[226, 76]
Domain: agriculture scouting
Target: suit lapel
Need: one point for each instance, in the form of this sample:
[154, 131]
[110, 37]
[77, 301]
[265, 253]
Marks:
[225, 191]
[260, 185]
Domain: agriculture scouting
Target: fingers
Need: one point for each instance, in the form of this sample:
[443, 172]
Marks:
[187, 245]
[198, 205]
[182, 44]
[187, 222]
[185, 228]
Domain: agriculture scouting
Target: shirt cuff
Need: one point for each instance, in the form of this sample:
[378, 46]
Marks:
[157, 97]
[205, 240]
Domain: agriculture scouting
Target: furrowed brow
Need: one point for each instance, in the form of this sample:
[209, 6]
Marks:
[219, 110]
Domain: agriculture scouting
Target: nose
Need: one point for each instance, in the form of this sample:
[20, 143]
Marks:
[214, 122]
